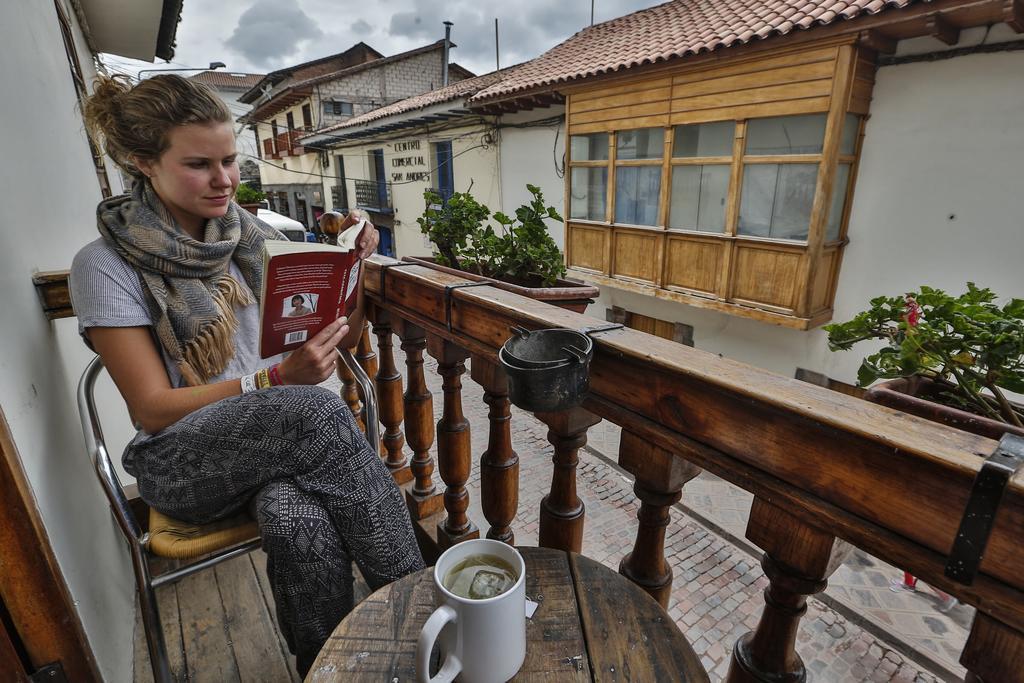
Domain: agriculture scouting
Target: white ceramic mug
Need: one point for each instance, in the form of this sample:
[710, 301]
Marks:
[485, 640]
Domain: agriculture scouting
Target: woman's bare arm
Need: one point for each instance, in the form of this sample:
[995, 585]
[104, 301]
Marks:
[134, 363]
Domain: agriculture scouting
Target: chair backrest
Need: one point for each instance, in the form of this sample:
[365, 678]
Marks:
[97, 449]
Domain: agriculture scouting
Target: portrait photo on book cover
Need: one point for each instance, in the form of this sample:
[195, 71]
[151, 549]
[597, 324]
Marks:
[299, 305]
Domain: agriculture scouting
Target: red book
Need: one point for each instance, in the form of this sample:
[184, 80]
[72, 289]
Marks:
[306, 287]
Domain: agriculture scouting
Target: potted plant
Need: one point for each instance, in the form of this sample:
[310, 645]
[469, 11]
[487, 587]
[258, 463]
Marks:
[949, 359]
[520, 256]
[249, 198]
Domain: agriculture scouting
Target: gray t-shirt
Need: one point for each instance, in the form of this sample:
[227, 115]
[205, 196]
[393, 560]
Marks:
[107, 292]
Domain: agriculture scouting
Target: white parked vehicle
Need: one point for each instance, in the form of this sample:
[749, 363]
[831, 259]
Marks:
[289, 227]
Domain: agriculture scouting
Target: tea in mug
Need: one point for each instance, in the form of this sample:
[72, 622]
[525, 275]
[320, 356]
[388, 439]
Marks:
[477, 577]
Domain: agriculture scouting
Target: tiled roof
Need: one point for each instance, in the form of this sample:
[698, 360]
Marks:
[459, 89]
[227, 79]
[676, 29]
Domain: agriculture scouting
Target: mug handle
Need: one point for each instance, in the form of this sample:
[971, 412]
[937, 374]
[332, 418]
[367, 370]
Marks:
[428, 636]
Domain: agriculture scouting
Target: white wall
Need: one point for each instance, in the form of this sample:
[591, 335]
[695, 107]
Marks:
[46, 156]
[937, 202]
[534, 155]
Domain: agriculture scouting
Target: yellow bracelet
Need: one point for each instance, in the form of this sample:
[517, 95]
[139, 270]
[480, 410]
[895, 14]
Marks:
[263, 379]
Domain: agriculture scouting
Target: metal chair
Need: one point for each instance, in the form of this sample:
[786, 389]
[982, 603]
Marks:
[205, 545]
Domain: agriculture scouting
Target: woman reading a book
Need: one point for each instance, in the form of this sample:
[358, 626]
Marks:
[168, 298]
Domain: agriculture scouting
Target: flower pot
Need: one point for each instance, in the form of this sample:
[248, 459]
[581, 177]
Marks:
[912, 395]
[574, 296]
[251, 208]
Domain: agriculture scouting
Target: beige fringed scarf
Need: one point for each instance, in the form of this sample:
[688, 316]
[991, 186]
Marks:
[191, 296]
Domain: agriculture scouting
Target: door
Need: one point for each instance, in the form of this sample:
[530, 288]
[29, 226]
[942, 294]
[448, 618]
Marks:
[377, 156]
[445, 177]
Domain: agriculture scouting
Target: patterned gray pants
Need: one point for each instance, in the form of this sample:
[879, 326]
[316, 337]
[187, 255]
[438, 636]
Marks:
[321, 495]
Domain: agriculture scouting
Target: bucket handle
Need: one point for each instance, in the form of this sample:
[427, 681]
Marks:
[579, 355]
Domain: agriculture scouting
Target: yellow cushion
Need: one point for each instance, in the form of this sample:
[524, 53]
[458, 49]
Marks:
[169, 537]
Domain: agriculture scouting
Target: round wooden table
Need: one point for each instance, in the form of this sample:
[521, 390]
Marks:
[591, 625]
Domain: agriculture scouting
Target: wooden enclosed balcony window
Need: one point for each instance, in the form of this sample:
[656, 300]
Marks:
[737, 208]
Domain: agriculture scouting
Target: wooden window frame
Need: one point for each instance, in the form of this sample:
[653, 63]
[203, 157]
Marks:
[808, 274]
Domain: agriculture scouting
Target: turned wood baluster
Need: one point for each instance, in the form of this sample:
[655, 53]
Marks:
[350, 393]
[994, 651]
[561, 510]
[798, 560]
[660, 477]
[454, 452]
[364, 354]
[499, 464]
[423, 498]
[389, 399]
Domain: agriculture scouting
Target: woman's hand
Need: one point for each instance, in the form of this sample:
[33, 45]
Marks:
[368, 238]
[314, 361]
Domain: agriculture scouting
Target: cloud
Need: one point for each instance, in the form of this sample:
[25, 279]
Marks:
[271, 31]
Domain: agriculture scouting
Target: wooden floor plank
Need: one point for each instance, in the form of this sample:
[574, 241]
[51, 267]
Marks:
[204, 631]
[167, 604]
[259, 561]
[250, 626]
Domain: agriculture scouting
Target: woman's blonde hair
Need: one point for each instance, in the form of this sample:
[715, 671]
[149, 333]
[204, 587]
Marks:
[133, 121]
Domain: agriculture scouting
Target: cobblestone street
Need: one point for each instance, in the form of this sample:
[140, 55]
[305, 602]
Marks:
[718, 581]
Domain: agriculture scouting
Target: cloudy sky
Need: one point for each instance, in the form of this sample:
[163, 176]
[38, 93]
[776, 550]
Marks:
[258, 36]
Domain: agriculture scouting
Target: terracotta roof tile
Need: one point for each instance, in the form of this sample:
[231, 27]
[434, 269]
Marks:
[227, 79]
[458, 90]
[675, 29]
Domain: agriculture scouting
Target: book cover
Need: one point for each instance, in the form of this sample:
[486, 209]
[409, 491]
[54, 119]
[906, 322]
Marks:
[306, 286]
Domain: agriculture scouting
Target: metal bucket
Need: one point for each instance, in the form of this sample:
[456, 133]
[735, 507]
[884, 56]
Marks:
[548, 370]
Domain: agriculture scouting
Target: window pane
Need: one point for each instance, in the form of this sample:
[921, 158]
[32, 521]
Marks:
[636, 194]
[642, 143]
[837, 203]
[704, 140]
[699, 195]
[588, 189]
[588, 147]
[802, 134]
[777, 200]
[851, 126]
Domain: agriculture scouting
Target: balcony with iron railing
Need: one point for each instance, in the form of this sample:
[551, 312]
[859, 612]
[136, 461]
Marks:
[374, 195]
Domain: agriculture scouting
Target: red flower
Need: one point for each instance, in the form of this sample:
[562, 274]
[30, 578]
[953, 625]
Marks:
[913, 314]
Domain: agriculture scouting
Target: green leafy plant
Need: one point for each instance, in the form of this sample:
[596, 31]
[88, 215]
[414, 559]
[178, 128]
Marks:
[244, 194]
[971, 347]
[521, 249]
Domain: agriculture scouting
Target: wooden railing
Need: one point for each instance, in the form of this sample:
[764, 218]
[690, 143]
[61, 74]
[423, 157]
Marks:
[828, 471]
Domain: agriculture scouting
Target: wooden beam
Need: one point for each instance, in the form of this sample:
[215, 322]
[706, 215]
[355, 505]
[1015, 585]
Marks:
[940, 29]
[874, 39]
[31, 584]
[54, 294]
[1013, 14]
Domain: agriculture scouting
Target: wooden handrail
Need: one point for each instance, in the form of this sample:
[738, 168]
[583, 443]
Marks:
[892, 484]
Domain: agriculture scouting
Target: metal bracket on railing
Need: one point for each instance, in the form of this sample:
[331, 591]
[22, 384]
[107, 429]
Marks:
[384, 276]
[448, 298]
[601, 328]
[979, 515]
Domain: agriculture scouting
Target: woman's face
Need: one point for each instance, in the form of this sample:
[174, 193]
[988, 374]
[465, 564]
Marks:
[296, 302]
[197, 175]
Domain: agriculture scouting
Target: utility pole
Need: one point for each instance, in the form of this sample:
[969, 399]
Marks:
[497, 59]
[591, 12]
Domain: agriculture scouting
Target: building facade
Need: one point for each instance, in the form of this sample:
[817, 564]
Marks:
[50, 51]
[752, 189]
[291, 103]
